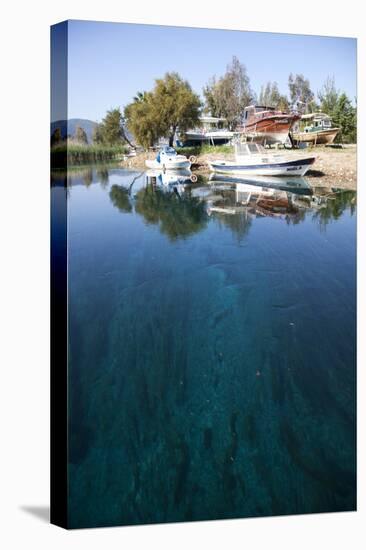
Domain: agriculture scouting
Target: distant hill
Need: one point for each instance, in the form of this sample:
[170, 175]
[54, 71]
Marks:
[68, 127]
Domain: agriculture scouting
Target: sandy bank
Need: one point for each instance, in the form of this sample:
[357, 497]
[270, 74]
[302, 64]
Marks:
[332, 168]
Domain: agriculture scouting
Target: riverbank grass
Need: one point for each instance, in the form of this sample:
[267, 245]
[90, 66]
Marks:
[78, 153]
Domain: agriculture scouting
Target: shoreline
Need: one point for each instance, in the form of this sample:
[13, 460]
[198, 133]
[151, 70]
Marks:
[333, 167]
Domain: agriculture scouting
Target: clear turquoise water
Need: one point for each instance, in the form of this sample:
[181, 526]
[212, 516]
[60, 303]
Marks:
[211, 358]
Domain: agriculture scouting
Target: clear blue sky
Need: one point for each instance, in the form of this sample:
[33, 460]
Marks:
[110, 62]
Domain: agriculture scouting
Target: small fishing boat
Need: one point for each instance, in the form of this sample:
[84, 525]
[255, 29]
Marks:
[254, 159]
[318, 131]
[168, 159]
[266, 125]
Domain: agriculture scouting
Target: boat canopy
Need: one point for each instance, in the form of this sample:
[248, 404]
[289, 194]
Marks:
[168, 150]
[312, 116]
[249, 148]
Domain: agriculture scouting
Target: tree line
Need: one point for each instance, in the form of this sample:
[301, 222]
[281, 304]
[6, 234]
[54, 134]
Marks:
[172, 104]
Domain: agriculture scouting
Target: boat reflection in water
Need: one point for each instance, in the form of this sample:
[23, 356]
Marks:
[173, 180]
[260, 196]
[182, 203]
[298, 185]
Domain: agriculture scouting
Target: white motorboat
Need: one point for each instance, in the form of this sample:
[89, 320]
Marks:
[210, 131]
[168, 159]
[253, 159]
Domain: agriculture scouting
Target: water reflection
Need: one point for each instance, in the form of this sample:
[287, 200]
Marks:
[330, 206]
[103, 176]
[84, 175]
[178, 215]
[120, 198]
[181, 203]
[170, 178]
[298, 185]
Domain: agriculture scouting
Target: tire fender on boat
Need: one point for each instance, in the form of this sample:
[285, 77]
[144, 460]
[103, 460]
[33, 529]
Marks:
[192, 159]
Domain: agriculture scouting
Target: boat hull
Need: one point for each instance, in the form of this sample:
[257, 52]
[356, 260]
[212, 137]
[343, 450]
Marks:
[322, 137]
[191, 139]
[270, 130]
[296, 167]
[168, 165]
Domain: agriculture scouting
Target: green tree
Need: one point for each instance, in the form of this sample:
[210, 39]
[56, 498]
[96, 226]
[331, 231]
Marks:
[270, 96]
[283, 104]
[140, 96]
[170, 105]
[111, 130]
[80, 135]
[56, 137]
[97, 136]
[328, 96]
[228, 96]
[344, 116]
[111, 127]
[141, 120]
[210, 92]
[176, 105]
[301, 95]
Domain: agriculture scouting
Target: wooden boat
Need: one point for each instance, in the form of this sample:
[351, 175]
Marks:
[168, 159]
[254, 159]
[266, 125]
[318, 132]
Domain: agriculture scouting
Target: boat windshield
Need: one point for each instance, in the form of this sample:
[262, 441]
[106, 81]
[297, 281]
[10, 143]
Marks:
[249, 149]
[169, 150]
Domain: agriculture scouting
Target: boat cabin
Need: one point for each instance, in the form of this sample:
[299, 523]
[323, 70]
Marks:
[249, 148]
[208, 123]
[316, 122]
[257, 111]
[166, 151]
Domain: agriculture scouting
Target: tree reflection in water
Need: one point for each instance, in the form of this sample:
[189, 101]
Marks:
[103, 176]
[88, 177]
[334, 205]
[178, 216]
[120, 198]
[239, 223]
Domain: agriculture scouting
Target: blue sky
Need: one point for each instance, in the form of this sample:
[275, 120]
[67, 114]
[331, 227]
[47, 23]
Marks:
[110, 62]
